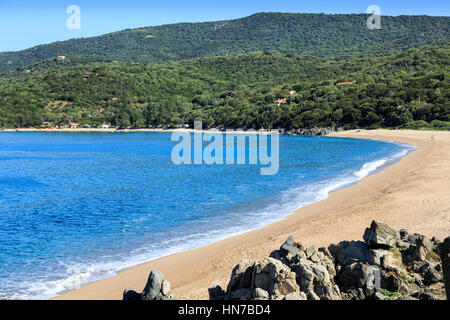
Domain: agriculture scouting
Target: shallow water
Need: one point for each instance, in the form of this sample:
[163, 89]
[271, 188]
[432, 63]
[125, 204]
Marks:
[81, 206]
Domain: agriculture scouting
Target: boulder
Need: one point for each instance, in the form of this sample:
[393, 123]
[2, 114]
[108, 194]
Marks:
[241, 276]
[131, 295]
[157, 288]
[430, 274]
[359, 275]
[274, 277]
[378, 256]
[216, 293]
[347, 252]
[290, 247]
[260, 294]
[314, 279]
[295, 296]
[380, 236]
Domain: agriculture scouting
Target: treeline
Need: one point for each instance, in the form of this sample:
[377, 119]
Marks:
[316, 34]
[269, 89]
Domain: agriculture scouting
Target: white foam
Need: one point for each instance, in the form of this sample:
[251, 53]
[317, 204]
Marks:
[291, 199]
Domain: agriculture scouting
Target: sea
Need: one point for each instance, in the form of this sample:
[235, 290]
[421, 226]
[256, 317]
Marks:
[78, 207]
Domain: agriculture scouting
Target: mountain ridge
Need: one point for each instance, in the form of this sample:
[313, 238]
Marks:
[296, 33]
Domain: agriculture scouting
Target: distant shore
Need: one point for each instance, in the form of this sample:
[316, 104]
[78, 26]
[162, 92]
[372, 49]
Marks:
[93, 130]
[411, 194]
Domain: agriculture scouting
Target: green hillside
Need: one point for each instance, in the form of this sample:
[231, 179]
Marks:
[316, 34]
[408, 88]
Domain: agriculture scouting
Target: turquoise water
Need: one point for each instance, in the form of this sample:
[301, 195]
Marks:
[81, 206]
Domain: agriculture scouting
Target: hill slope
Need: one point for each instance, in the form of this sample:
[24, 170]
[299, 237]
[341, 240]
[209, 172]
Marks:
[393, 89]
[317, 34]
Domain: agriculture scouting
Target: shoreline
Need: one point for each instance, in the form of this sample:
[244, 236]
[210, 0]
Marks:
[191, 272]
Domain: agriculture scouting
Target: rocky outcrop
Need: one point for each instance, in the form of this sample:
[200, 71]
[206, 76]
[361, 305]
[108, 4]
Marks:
[388, 265]
[381, 236]
[157, 288]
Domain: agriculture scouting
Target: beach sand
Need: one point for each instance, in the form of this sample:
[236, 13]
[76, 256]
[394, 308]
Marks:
[412, 193]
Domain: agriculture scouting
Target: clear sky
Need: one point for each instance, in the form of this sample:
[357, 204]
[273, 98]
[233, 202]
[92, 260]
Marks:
[26, 23]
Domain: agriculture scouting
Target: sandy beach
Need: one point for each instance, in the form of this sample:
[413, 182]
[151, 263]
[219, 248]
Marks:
[412, 193]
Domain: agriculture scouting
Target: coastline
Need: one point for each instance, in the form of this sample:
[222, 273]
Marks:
[339, 217]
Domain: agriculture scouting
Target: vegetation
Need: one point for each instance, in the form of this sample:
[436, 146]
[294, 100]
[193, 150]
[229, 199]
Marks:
[388, 294]
[408, 88]
[315, 34]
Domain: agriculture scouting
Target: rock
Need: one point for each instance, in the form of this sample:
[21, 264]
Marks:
[315, 257]
[274, 277]
[422, 241]
[348, 252]
[131, 295]
[240, 294]
[417, 253]
[289, 247]
[412, 238]
[403, 234]
[379, 296]
[241, 276]
[430, 274]
[358, 275]
[157, 288]
[391, 282]
[314, 279]
[380, 236]
[216, 293]
[408, 298]
[153, 288]
[354, 294]
[444, 250]
[309, 251]
[295, 296]
[260, 294]
[424, 296]
[165, 288]
[377, 256]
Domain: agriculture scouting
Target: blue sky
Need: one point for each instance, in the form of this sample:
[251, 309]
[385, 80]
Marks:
[26, 23]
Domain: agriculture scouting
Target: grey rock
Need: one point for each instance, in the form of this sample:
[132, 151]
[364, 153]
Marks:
[274, 277]
[131, 295]
[165, 288]
[314, 279]
[241, 276]
[290, 247]
[259, 293]
[309, 251]
[379, 296]
[157, 288]
[358, 275]
[422, 241]
[403, 234]
[295, 296]
[379, 235]
[152, 290]
[376, 256]
[409, 298]
[430, 274]
[347, 252]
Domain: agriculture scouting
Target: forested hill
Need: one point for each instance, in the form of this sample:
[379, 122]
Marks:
[407, 88]
[317, 34]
